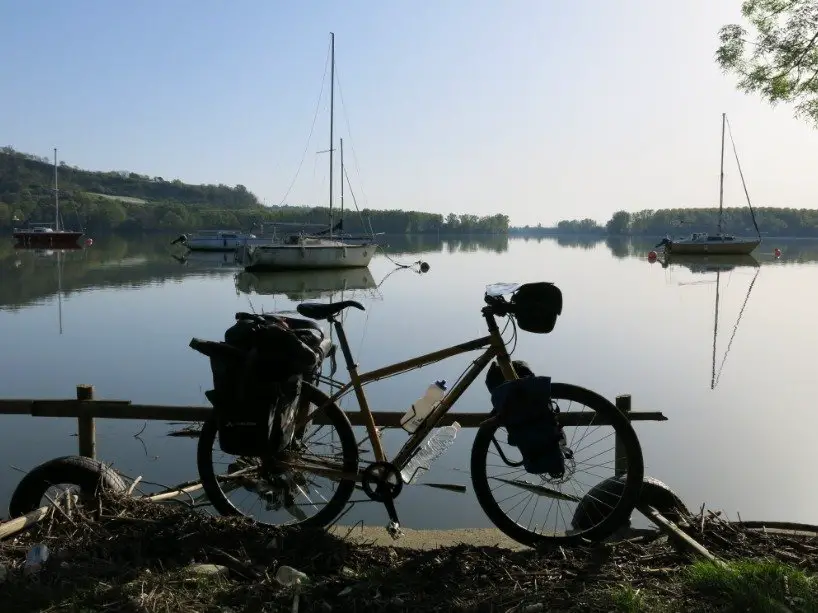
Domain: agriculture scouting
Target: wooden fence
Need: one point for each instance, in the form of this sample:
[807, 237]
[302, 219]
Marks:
[85, 409]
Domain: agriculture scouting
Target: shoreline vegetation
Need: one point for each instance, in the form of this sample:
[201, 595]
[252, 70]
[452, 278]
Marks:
[126, 203]
[116, 261]
[128, 555]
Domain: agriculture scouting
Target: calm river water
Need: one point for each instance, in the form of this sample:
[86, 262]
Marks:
[741, 426]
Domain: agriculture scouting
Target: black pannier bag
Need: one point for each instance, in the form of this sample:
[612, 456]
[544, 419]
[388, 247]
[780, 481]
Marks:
[257, 378]
[536, 306]
[494, 376]
[523, 406]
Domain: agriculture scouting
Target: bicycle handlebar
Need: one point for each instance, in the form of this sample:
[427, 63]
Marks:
[498, 305]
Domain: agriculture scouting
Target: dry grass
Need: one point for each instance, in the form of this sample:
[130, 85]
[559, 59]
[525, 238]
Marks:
[134, 556]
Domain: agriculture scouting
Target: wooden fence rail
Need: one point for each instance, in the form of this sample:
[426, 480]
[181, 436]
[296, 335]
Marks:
[85, 409]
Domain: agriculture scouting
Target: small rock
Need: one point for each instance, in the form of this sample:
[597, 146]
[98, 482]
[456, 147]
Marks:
[207, 569]
[287, 575]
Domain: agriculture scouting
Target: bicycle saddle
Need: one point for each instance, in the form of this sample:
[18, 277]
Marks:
[325, 310]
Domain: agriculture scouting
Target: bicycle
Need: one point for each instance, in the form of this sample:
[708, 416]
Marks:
[280, 480]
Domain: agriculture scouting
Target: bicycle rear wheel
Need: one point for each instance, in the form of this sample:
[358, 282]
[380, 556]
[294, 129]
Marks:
[255, 488]
[512, 497]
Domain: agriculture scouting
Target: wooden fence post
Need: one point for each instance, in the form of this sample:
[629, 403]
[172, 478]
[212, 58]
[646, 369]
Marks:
[623, 403]
[85, 425]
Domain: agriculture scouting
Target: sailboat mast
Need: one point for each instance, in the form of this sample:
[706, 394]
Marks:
[331, 121]
[56, 195]
[715, 332]
[721, 176]
[59, 287]
[342, 181]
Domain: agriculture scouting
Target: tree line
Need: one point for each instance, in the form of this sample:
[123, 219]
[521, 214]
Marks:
[679, 221]
[126, 202]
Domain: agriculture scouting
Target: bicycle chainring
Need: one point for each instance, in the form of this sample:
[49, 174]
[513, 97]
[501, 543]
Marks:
[382, 481]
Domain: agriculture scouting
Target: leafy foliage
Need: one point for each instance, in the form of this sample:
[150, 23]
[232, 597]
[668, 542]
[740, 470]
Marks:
[104, 202]
[772, 222]
[781, 62]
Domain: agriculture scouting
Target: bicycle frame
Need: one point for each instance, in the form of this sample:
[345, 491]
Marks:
[495, 347]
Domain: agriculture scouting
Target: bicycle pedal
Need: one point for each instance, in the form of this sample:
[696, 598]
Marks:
[394, 530]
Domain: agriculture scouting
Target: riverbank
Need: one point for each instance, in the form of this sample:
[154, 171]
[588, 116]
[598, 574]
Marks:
[139, 556]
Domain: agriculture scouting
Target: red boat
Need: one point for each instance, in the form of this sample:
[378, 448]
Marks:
[44, 235]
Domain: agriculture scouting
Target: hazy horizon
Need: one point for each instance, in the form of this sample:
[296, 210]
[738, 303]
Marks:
[539, 110]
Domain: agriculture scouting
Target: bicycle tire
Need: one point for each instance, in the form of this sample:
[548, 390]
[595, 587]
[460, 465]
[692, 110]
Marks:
[630, 493]
[343, 493]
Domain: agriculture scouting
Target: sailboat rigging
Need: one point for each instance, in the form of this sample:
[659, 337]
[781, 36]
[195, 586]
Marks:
[716, 375]
[720, 243]
[300, 251]
[43, 234]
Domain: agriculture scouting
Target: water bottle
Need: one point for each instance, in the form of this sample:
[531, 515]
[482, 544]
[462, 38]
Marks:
[36, 557]
[432, 448]
[423, 406]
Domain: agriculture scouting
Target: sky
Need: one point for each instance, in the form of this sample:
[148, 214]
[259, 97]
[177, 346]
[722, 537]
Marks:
[539, 109]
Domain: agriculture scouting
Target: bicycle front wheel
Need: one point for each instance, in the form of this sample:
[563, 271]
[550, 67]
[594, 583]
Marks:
[585, 502]
[256, 488]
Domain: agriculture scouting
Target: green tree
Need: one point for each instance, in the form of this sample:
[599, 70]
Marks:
[619, 223]
[779, 61]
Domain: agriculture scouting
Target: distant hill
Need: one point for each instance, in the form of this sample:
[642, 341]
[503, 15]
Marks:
[126, 202]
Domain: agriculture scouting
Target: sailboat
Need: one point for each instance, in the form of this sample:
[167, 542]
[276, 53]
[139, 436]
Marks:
[43, 234]
[301, 251]
[718, 243]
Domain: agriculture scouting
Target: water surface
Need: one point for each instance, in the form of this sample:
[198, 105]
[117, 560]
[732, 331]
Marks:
[739, 436]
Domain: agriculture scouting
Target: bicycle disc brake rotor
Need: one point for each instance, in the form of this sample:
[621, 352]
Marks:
[277, 488]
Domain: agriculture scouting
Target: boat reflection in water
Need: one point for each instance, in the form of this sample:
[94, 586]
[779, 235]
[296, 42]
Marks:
[299, 285]
[717, 264]
[207, 259]
[710, 263]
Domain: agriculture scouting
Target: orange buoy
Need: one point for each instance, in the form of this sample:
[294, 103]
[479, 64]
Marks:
[777, 252]
[651, 256]
[89, 242]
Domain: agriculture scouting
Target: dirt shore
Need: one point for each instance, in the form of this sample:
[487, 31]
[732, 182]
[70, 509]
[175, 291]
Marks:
[132, 556]
[424, 540]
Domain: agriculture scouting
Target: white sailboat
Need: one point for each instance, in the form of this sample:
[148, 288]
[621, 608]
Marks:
[706, 243]
[219, 240]
[302, 251]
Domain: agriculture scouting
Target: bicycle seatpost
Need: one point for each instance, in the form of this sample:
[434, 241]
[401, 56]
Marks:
[342, 341]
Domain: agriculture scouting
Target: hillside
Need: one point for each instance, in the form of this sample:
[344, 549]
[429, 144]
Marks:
[125, 202]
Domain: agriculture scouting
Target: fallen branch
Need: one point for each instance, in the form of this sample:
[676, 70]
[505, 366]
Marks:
[677, 534]
[13, 526]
